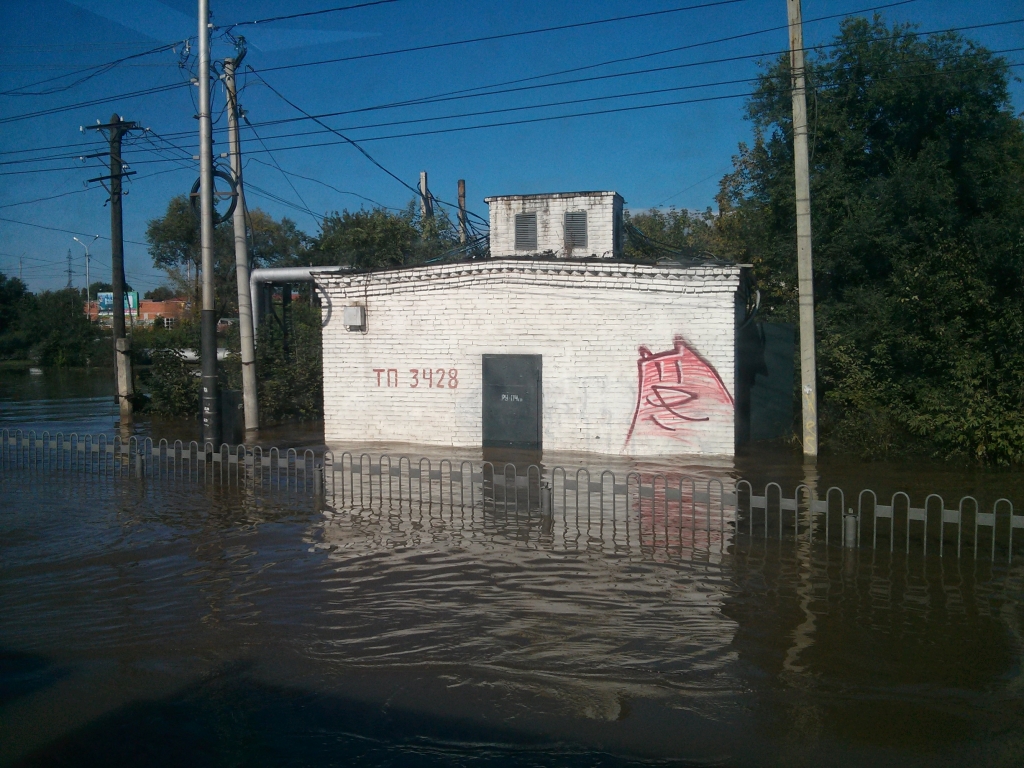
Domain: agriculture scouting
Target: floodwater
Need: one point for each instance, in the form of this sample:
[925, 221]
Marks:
[176, 624]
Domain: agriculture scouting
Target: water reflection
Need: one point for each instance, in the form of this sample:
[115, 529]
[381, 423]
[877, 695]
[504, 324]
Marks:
[254, 618]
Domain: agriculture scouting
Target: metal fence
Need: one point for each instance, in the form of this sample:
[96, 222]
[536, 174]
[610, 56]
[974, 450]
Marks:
[664, 509]
[174, 461]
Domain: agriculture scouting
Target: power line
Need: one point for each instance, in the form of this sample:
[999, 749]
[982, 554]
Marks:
[346, 139]
[60, 229]
[503, 36]
[362, 151]
[440, 96]
[606, 111]
[444, 96]
[279, 168]
[455, 95]
[44, 199]
[324, 183]
[94, 71]
[93, 102]
[366, 154]
[307, 14]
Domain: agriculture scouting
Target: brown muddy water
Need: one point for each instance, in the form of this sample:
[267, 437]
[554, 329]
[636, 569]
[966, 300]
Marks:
[180, 624]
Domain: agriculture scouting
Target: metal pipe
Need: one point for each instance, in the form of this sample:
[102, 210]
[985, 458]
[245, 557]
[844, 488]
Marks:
[259, 277]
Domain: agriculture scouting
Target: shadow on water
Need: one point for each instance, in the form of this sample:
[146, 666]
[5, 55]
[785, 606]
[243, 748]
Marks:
[22, 674]
[216, 626]
[232, 719]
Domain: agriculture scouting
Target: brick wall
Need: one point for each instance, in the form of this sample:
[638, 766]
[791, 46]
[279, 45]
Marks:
[604, 218]
[604, 330]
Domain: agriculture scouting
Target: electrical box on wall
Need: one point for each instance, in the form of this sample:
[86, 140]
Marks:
[354, 318]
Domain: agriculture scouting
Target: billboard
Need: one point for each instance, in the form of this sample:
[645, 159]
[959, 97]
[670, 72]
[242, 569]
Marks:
[106, 303]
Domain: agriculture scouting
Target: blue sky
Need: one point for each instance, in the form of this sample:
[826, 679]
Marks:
[671, 155]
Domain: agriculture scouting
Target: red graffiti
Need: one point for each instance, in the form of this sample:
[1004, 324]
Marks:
[676, 388]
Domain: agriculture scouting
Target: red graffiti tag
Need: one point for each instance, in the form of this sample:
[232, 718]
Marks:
[676, 388]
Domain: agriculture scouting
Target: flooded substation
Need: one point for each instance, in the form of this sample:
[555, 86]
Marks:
[368, 604]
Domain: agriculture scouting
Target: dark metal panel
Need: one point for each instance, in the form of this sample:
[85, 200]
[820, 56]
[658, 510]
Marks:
[575, 229]
[526, 231]
[512, 401]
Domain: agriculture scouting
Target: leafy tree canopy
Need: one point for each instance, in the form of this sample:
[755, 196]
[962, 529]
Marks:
[160, 293]
[917, 164]
[175, 247]
[382, 239]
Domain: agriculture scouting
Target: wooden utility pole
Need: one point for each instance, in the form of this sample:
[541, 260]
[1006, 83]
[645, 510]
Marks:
[115, 131]
[245, 319]
[426, 204]
[209, 395]
[462, 211]
[805, 271]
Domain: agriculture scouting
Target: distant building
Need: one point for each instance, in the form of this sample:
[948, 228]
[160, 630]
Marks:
[148, 312]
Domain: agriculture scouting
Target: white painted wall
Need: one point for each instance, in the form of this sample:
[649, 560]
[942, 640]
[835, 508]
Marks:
[604, 223]
[588, 321]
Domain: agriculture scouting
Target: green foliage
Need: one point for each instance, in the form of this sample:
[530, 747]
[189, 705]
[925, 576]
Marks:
[160, 293]
[173, 384]
[380, 239]
[689, 232]
[100, 287]
[174, 245]
[290, 365]
[918, 214]
[60, 333]
[14, 297]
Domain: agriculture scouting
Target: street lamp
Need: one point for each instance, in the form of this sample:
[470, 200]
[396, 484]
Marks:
[88, 300]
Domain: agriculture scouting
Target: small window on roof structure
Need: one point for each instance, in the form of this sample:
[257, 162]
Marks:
[575, 230]
[526, 231]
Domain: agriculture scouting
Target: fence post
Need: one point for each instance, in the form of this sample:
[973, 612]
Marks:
[547, 498]
[318, 480]
[850, 529]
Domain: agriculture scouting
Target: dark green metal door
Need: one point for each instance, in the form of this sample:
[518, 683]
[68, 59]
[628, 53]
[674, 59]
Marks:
[512, 401]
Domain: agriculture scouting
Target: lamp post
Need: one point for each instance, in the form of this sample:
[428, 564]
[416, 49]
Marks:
[88, 299]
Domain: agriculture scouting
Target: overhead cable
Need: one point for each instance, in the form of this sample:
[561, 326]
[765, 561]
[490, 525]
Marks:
[503, 36]
[305, 15]
[93, 102]
[87, 72]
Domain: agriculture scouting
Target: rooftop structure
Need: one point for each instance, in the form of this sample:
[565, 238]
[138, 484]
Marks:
[570, 225]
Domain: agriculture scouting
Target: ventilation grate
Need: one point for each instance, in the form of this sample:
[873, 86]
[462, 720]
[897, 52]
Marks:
[575, 230]
[526, 231]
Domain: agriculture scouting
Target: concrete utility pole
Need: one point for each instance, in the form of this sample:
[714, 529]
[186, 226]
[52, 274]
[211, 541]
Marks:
[88, 285]
[805, 271]
[462, 211]
[115, 131]
[210, 400]
[426, 204]
[245, 318]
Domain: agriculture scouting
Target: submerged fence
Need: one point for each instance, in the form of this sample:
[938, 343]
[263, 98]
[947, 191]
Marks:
[650, 508]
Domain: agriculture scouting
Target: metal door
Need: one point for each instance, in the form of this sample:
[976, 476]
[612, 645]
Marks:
[512, 401]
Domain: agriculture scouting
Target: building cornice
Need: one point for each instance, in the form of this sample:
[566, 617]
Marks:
[538, 273]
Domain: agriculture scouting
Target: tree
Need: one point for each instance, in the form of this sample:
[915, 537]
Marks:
[13, 298]
[656, 234]
[174, 244]
[98, 287]
[160, 293]
[380, 239]
[58, 329]
[918, 207]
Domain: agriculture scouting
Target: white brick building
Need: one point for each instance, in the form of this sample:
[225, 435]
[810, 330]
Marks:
[629, 359]
[566, 224]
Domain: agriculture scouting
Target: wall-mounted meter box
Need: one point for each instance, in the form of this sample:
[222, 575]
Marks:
[354, 318]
